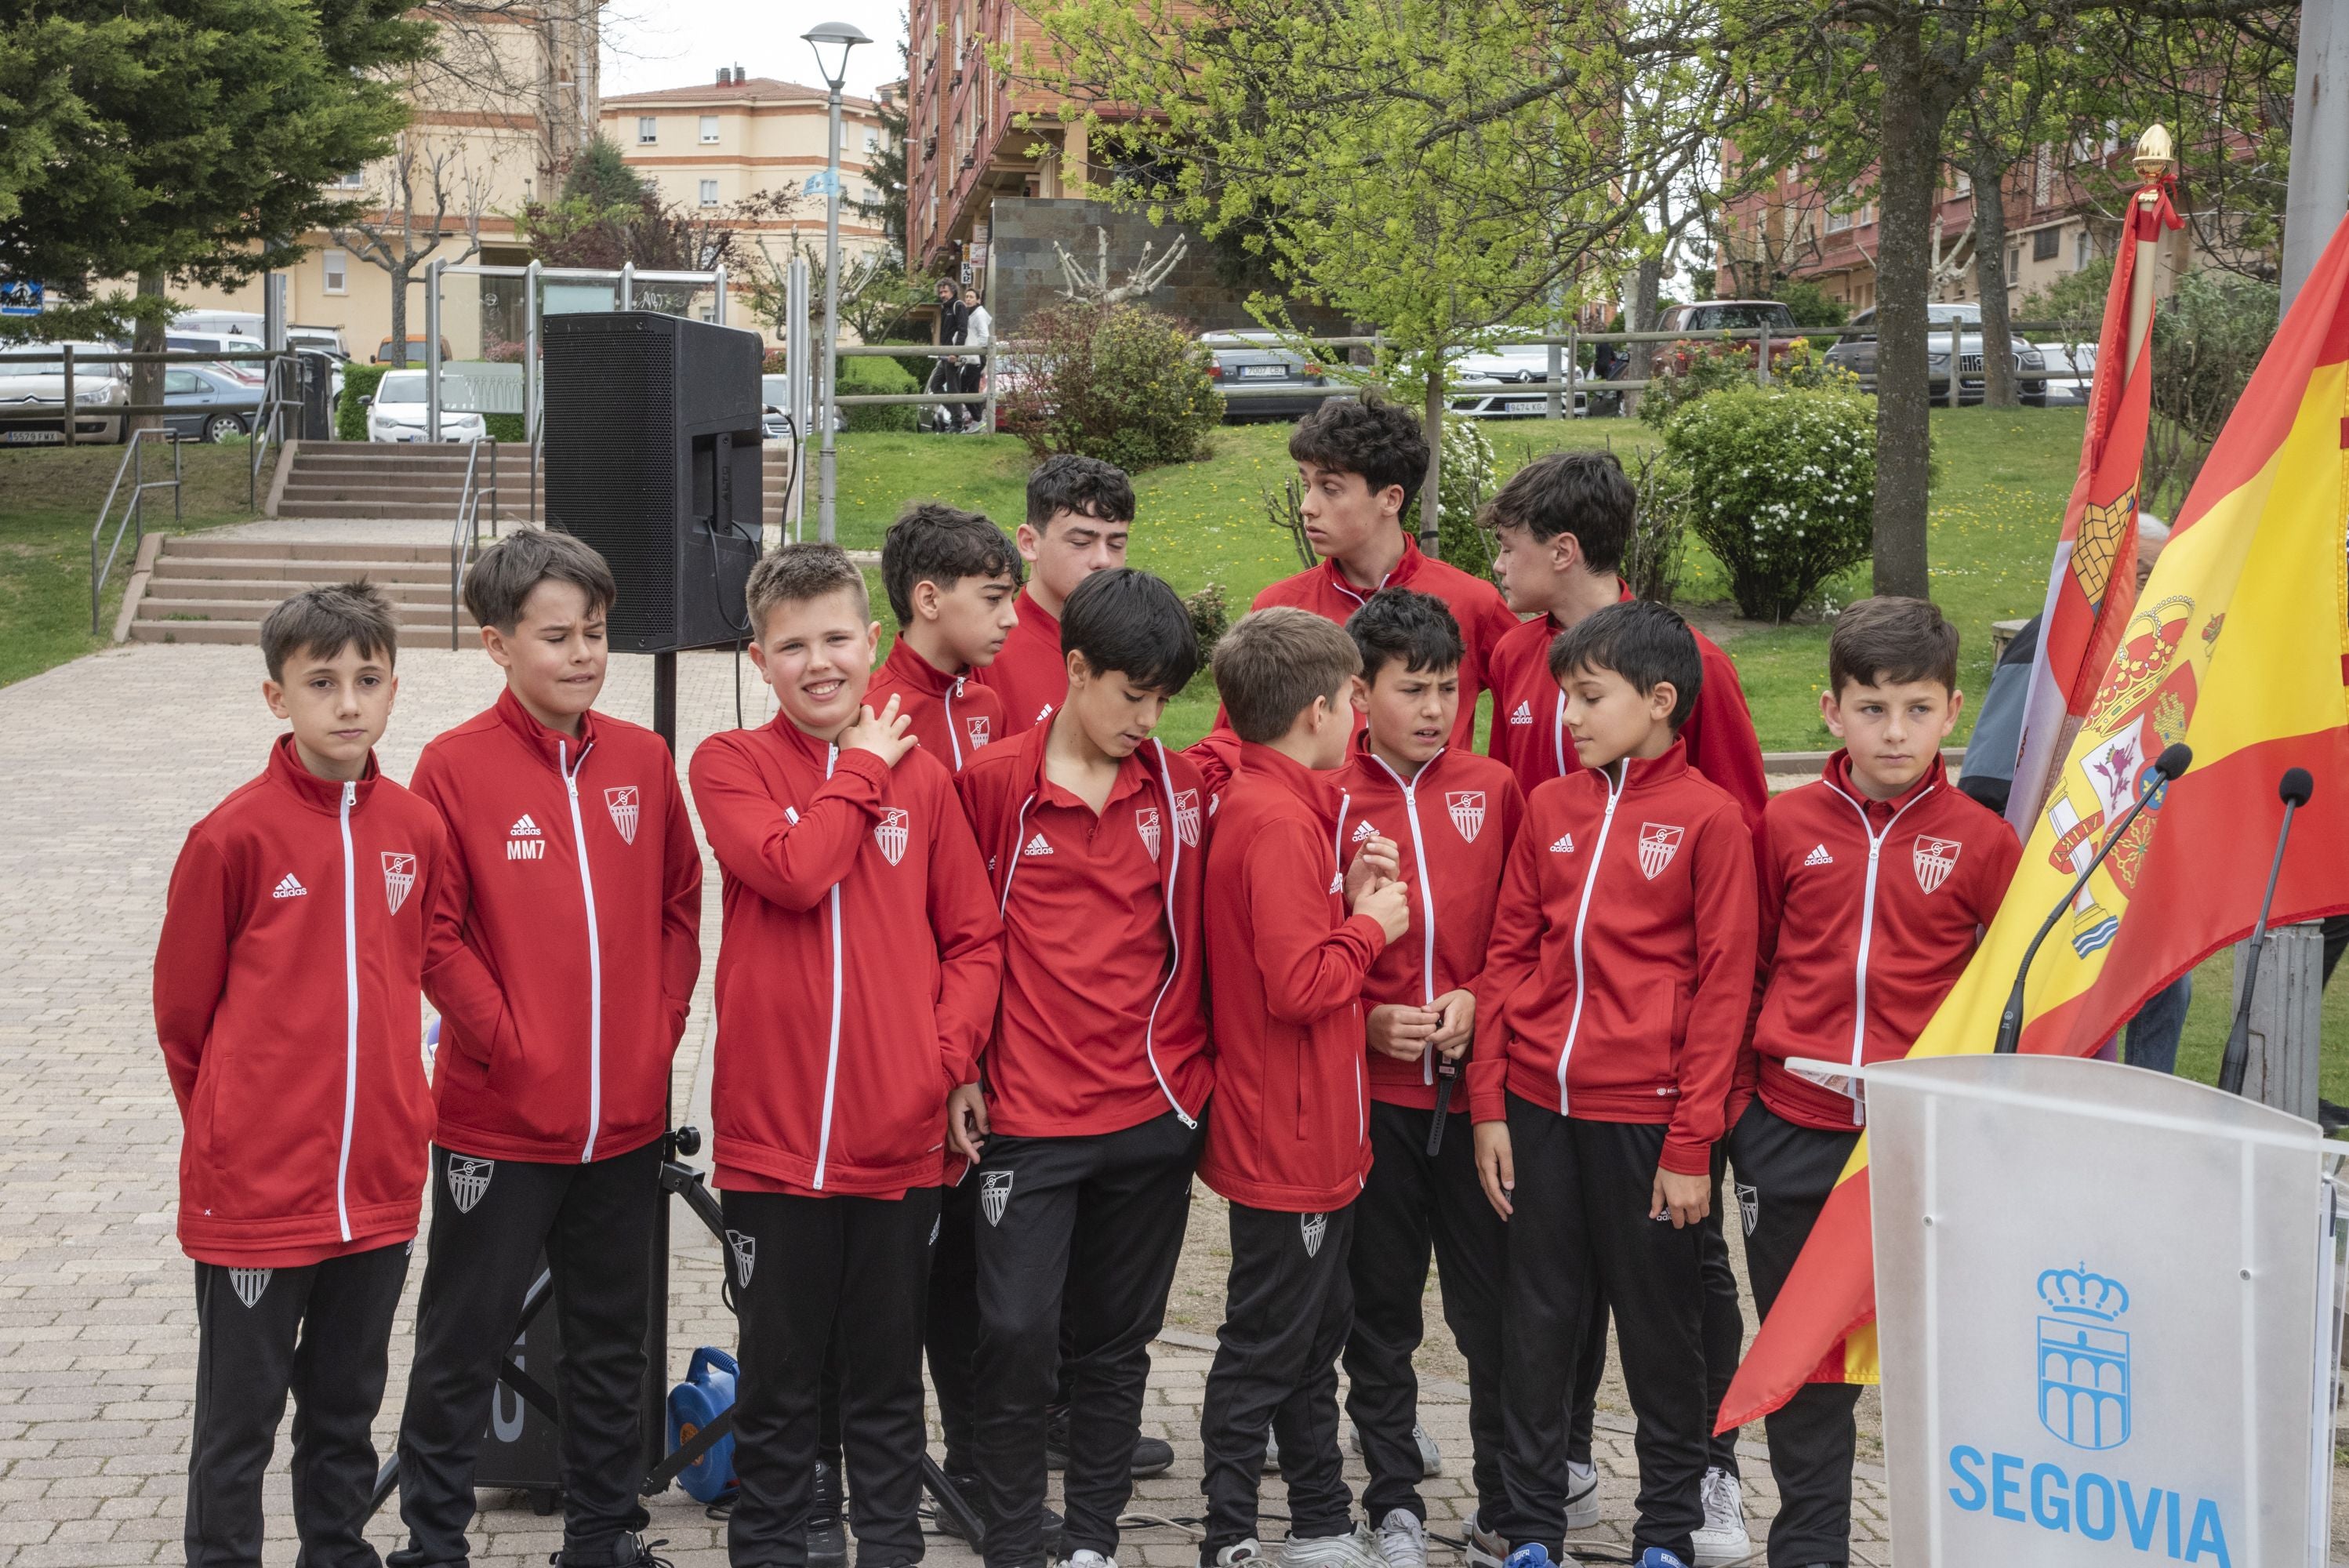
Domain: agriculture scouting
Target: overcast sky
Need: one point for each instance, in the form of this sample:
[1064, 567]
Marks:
[653, 44]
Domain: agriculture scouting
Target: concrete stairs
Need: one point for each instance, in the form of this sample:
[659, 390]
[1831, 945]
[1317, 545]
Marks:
[217, 589]
[341, 479]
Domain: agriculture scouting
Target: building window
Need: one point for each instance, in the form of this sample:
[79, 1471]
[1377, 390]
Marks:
[2042, 176]
[2046, 244]
[1839, 221]
[334, 267]
[647, 130]
[1965, 183]
[2081, 252]
[2013, 264]
[872, 139]
[710, 193]
[351, 181]
[708, 128]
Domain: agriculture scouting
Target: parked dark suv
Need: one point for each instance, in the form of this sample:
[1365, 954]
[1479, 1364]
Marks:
[1858, 355]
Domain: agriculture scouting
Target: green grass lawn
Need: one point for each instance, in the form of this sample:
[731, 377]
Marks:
[49, 498]
[2004, 474]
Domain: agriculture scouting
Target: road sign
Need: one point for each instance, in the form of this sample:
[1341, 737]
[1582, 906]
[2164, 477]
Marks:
[20, 296]
[823, 182]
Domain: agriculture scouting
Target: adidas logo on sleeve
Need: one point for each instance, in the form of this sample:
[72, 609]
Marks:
[287, 887]
[1037, 846]
[1819, 857]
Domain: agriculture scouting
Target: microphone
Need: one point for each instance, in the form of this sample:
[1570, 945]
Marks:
[2295, 791]
[2173, 761]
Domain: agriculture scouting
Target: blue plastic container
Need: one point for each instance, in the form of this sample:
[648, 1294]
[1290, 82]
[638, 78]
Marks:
[708, 1389]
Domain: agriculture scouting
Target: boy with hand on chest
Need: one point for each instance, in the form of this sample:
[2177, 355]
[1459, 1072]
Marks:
[1454, 816]
[856, 983]
[1617, 986]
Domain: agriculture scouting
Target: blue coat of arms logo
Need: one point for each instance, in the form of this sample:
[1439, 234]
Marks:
[2084, 1360]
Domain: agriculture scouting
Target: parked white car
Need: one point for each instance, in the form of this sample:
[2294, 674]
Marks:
[396, 412]
[2071, 371]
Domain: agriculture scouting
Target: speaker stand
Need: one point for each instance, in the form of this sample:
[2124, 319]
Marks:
[665, 699]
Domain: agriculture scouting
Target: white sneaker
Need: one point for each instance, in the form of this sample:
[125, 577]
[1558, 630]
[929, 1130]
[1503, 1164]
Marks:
[1086, 1557]
[1488, 1548]
[1240, 1554]
[1581, 1496]
[1722, 1540]
[1352, 1550]
[1403, 1539]
[1431, 1458]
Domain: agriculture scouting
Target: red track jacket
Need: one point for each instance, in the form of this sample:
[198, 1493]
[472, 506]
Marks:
[1621, 966]
[1452, 821]
[1529, 720]
[1104, 1020]
[1285, 970]
[1031, 673]
[953, 715]
[302, 917]
[583, 922]
[1869, 913]
[858, 967]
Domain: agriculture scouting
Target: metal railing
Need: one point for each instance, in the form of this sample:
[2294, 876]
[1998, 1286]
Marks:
[466, 532]
[134, 511]
[268, 423]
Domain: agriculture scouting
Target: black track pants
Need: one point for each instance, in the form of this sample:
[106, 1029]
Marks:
[1104, 1214]
[1413, 1205]
[1581, 1231]
[1287, 1308]
[1784, 1174]
[951, 1336]
[318, 1333]
[814, 1265]
[491, 1220]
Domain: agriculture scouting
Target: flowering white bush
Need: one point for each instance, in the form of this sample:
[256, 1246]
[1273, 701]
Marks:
[1462, 486]
[1782, 486]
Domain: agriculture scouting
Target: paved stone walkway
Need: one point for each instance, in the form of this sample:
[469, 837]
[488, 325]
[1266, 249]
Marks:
[104, 763]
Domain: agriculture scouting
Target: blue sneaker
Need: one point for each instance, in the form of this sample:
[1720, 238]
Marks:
[1533, 1555]
[1657, 1557]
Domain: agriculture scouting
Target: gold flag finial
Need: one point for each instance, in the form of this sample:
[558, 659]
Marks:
[2154, 157]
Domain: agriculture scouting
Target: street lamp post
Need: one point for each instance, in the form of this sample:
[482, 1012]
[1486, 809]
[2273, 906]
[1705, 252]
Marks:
[831, 41]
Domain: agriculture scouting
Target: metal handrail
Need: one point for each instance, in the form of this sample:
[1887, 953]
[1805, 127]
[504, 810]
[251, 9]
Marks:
[467, 531]
[268, 422]
[134, 510]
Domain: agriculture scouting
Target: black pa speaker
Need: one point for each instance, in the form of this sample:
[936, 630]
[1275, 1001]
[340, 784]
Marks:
[652, 457]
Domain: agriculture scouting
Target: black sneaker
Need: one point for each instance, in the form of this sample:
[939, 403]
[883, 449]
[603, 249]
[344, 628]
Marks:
[975, 1495]
[827, 1537]
[1151, 1456]
[627, 1550]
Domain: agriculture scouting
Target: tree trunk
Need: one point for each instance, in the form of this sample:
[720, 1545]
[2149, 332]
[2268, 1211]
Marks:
[147, 337]
[1910, 169]
[399, 273]
[1990, 277]
[1431, 529]
[1647, 286]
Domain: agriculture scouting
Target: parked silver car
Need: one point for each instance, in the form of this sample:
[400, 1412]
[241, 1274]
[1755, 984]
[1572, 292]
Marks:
[1858, 355]
[1256, 360]
[208, 404]
[2072, 371]
[33, 396]
[1487, 383]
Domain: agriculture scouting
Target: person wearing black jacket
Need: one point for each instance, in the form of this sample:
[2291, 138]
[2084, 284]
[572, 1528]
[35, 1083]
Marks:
[946, 373]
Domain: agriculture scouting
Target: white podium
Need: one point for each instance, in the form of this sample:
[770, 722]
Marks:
[2108, 1316]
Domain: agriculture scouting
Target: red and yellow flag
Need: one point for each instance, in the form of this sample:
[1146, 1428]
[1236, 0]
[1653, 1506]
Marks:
[2093, 582]
[2238, 646]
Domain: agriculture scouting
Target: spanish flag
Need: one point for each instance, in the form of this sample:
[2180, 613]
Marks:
[2238, 646]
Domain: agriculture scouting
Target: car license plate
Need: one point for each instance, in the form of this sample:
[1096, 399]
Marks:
[1525, 406]
[36, 437]
[1262, 372]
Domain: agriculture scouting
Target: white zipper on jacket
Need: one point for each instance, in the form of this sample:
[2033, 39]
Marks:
[1174, 942]
[1615, 788]
[1867, 937]
[350, 1014]
[1426, 893]
[831, 1047]
[1558, 735]
[1337, 846]
[595, 948]
[953, 739]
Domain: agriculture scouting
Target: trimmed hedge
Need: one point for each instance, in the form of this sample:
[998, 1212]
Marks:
[358, 381]
[863, 376]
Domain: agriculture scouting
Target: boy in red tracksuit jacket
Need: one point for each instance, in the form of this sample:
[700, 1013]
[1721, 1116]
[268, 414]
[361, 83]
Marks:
[583, 917]
[1097, 1078]
[856, 981]
[1359, 461]
[1289, 1143]
[304, 916]
[952, 580]
[1560, 528]
[1615, 990]
[1875, 883]
[1453, 815]
[1080, 515]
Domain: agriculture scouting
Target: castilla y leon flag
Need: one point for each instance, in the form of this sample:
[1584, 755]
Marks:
[2239, 647]
[2093, 582]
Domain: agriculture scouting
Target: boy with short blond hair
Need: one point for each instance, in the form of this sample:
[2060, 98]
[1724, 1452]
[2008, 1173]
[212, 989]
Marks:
[1454, 816]
[583, 911]
[953, 581]
[1615, 989]
[1874, 883]
[845, 1082]
[304, 915]
[1287, 1144]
